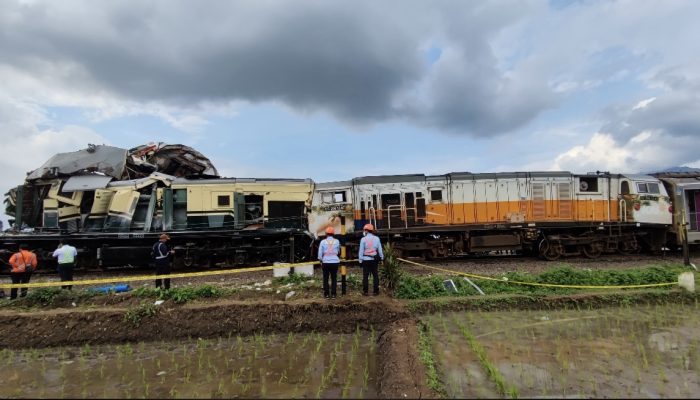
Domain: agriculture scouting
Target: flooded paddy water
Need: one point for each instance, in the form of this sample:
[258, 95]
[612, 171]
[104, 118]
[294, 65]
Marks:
[271, 366]
[632, 352]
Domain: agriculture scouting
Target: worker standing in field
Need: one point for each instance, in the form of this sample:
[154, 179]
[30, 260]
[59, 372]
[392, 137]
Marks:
[66, 255]
[370, 255]
[328, 252]
[162, 253]
[23, 263]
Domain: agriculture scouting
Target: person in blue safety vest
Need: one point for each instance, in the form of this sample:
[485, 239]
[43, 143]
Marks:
[328, 252]
[162, 253]
[66, 255]
[370, 255]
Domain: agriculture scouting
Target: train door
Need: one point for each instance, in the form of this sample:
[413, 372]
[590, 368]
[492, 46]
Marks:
[409, 200]
[438, 206]
[391, 211]
[369, 210]
[694, 207]
[421, 212]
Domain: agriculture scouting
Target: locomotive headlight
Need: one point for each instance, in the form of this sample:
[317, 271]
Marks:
[670, 208]
[637, 206]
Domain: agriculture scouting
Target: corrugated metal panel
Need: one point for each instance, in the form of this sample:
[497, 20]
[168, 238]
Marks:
[550, 174]
[538, 204]
[565, 204]
[333, 185]
[389, 179]
[86, 182]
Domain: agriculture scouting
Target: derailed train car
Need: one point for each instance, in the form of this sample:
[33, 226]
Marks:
[113, 203]
[114, 221]
[550, 214]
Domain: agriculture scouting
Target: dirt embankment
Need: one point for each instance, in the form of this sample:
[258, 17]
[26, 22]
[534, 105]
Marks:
[113, 325]
[401, 373]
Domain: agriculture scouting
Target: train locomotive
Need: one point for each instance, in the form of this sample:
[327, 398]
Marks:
[550, 214]
[112, 204]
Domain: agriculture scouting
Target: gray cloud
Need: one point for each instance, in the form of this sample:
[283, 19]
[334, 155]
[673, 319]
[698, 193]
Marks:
[673, 112]
[362, 61]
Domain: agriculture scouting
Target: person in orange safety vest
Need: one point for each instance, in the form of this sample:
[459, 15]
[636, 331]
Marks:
[328, 252]
[23, 263]
[370, 255]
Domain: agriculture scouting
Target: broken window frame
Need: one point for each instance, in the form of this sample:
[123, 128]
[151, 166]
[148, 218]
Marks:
[343, 198]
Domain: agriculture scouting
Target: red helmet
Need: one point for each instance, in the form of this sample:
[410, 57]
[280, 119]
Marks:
[368, 227]
[330, 231]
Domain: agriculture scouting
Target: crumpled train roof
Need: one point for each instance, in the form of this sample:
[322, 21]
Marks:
[105, 159]
[119, 163]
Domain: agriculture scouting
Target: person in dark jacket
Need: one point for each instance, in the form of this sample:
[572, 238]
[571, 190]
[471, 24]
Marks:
[162, 254]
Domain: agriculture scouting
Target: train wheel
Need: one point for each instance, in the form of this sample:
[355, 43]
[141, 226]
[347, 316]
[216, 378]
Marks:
[549, 251]
[628, 247]
[592, 250]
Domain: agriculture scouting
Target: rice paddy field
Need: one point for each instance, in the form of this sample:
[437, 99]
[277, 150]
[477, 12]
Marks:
[628, 352]
[309, 365]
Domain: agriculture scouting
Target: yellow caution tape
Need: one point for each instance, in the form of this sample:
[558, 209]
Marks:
[152, 277]
[489, 278]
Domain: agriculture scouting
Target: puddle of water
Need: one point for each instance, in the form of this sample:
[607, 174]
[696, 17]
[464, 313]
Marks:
[643, 351]
[270, 366]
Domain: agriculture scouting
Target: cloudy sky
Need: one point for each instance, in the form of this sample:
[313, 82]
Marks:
[336, 89]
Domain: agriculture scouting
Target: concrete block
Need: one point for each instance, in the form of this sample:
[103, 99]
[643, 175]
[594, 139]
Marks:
[686, 280]
[279, 272]
[306, 270]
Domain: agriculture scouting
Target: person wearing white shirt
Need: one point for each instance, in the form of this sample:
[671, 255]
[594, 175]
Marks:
[66, 255]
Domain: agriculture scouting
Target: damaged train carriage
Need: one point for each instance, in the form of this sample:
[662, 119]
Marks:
[114, 221]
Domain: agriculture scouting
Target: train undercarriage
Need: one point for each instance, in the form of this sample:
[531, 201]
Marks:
[201, 249]
[549, 242]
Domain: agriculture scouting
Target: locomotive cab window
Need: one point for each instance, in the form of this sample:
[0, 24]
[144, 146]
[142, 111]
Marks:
[436, 195]
[648, 187]
[588, 184]
[339, 197]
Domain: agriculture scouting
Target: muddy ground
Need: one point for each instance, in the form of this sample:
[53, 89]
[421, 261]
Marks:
[255, 303]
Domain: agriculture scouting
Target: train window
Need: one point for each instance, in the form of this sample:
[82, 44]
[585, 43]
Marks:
[327, 197]
[625, 187]
[223, 201]
[436, 195]
[419, 195]
[588, 184]
[643, 187]
[339, 197]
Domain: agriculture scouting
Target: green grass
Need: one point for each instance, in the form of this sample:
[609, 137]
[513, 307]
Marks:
[135, 315]
[293, 278]
[181, 294]
[425, 340]
[412, 287]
